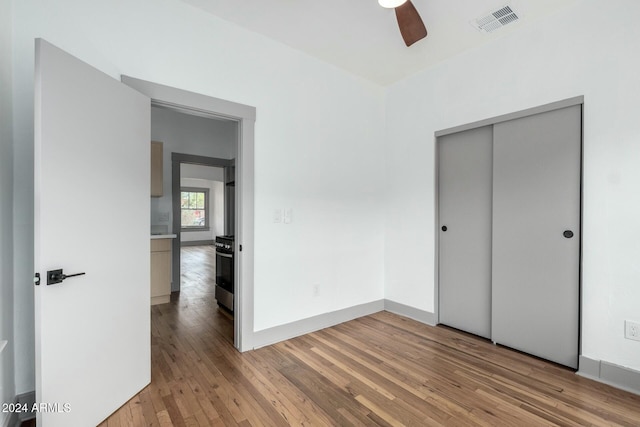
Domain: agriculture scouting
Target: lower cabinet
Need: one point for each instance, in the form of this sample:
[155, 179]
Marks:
[160, 271]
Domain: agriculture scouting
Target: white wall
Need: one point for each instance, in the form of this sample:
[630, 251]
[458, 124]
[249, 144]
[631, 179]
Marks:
[7, 385]
[589, 49]
[312, 118]
[215, 208]
[209, 173]
[187, 134]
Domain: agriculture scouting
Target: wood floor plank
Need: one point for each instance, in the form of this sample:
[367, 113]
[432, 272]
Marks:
[427, 383]
[378, 370]
[378, 411]
[216, 407]
[267, 362]
[173, 411]
[149, 413]
[355, 374]
[164, 418]
[137, 414]
[327, 395]
[270, 393]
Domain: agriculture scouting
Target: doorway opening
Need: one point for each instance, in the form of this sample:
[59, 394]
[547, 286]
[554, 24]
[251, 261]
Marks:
[203, 217]
[203, 212]
[198, 105]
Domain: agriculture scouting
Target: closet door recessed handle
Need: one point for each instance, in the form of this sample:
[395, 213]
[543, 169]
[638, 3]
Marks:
[444, 228]
[568, 234]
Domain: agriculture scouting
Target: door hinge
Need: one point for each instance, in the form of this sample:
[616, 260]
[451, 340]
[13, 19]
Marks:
[36, 279]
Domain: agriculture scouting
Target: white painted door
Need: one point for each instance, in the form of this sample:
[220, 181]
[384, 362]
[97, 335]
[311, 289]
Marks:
[92, 172]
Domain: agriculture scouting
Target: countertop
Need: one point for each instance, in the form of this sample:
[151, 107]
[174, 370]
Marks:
[163, 236]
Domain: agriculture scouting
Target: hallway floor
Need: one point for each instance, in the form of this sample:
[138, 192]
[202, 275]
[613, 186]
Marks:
[198, 276]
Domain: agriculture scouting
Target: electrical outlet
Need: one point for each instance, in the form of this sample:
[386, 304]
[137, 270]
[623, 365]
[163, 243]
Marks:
[316, 290]
[632, 330]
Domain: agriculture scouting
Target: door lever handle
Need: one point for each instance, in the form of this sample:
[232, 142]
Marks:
[57, 276]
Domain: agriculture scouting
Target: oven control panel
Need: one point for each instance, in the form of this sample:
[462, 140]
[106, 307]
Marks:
[224, 244]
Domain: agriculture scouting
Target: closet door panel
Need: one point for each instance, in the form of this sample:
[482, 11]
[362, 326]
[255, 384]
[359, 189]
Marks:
[536, 234]
[464, 189]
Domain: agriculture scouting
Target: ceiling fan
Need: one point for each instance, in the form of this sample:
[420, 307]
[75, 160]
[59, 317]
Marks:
[411, 26]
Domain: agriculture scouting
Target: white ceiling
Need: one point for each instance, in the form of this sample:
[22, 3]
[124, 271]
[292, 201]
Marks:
[363, 38]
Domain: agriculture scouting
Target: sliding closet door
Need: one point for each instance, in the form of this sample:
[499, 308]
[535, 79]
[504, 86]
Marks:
[464, 201]
[536, 234]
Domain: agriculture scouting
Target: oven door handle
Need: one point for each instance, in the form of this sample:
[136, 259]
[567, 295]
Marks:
[224, 255]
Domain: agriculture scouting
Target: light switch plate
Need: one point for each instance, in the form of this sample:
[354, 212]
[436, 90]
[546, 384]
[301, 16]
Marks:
[277, 216]
[287, 215]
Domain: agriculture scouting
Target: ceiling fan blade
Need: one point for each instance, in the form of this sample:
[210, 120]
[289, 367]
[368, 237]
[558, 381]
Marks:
[411, 26]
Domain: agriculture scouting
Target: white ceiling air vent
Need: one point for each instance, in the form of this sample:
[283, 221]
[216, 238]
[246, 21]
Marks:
[496, 19]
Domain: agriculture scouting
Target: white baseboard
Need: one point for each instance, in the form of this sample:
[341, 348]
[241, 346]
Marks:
[294, 329]
[608, 373]
[421, 316]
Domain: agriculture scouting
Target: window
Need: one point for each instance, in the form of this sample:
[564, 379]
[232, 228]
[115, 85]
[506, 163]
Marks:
[194, 209]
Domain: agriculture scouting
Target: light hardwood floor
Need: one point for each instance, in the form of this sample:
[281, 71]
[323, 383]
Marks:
[197, 294]
[381, 369]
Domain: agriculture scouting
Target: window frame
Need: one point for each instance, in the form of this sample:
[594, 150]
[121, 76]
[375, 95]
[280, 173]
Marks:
[206, 226]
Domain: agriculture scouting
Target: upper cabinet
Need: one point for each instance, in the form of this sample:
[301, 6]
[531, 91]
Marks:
[156, 169]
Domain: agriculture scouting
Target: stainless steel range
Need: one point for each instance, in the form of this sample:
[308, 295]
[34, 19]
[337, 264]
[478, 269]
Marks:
[225, 284]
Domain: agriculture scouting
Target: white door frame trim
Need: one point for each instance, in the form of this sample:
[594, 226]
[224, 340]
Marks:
[203, 105]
